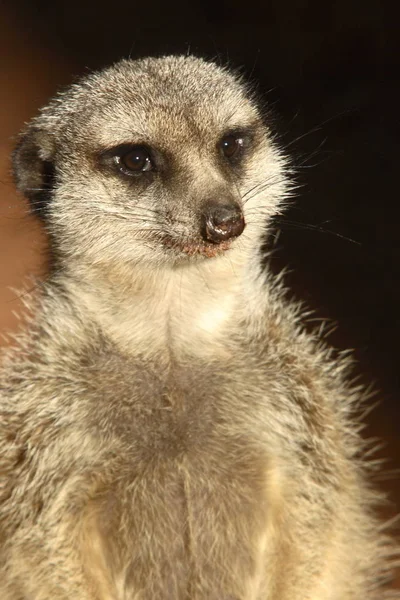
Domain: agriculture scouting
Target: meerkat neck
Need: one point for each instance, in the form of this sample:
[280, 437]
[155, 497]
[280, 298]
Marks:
[146, 310]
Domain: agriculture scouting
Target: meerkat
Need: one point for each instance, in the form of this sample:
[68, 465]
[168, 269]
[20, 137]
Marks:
[168, 429]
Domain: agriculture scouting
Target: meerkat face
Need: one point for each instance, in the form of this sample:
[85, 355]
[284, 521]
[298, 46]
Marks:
[159, 160]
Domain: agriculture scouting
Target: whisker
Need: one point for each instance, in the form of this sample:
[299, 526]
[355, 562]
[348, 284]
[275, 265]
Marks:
[318, 127]
[260, 187]
[318, 228]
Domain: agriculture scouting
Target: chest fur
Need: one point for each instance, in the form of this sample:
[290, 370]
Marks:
[190, 493]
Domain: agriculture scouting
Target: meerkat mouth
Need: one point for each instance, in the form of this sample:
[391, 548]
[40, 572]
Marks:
[205, 249]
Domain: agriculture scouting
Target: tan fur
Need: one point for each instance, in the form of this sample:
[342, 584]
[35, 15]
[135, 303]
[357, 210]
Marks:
[167, 428]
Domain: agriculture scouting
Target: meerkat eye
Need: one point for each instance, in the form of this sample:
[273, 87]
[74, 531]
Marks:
[135, 161]
[231, 145]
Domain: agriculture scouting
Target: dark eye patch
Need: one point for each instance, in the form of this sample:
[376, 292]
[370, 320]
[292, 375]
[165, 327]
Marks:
[132, 160]
[234, 143]
[136, 161]
[231, 145]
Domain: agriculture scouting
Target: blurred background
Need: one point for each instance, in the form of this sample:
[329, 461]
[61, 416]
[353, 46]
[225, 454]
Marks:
[330, 72]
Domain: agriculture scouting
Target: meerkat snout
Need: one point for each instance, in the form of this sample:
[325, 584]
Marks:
[222, 222]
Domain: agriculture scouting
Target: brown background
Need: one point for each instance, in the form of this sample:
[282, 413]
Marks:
[331, 74]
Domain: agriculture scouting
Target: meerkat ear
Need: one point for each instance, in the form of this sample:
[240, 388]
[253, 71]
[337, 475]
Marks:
[33, 168]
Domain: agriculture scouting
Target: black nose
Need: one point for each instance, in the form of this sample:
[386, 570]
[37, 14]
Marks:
[222, 222]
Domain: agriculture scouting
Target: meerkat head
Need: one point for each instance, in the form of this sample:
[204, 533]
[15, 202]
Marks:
[161, 160]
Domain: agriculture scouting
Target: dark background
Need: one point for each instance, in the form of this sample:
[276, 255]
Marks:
[330, 71]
